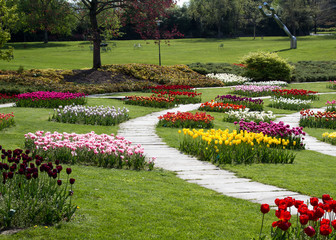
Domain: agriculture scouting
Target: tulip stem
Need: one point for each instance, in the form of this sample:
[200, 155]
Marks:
[262, 223]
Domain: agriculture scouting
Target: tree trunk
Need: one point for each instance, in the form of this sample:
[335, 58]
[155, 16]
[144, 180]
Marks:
[45, 35]
[95, 36]
[254, 30]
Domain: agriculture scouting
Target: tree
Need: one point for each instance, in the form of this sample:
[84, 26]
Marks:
[252, 13]
[54, 16]
[7, 18]
[143, 14]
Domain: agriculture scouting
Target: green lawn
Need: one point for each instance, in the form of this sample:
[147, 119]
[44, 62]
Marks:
[75, 55]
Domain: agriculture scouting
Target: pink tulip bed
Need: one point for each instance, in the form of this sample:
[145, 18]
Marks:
[254, 90]
[33, 190]
[101, 150]
[49, 99]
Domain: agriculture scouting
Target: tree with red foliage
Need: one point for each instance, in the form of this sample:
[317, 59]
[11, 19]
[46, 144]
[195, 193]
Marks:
[143, 14]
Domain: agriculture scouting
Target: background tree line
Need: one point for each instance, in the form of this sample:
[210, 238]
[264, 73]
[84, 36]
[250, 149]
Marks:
[44, 20]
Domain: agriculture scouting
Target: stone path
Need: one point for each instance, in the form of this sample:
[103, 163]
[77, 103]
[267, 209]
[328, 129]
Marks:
[142, 131]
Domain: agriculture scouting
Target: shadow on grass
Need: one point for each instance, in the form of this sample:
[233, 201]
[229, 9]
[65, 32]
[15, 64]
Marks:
[282, 50]
[31, 46]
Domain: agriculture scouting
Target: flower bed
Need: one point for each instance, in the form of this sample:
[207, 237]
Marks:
[332, 84]
[268, 83]
[6, 120]
[236, 116]
[33, 192]
[296, 93]
[329, 137]
[152, 101]
[252, 104]
[279, 130]
[289, 103]
[5, 98]
[186, 88]
[179, 97]
[331, 106]
[224, 147]
[186, 119]
[100, 115]
[219, 106]
[49, 99]
[228, 79]
[315, 222]
[102, 150]
[317, 120]
[254, 90]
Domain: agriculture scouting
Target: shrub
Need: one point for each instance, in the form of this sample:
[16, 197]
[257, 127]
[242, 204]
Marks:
[33, 192]
[313, 71]
[261, 66]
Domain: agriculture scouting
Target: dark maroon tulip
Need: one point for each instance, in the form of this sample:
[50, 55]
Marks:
[5, 175]
[27, 151]
[59, 182]
[10, 175]
[3, 156]
[38, 162]
[21, 171]
[13, 167]
[5, 166]
[59, 168]
[57, 162]
[35, 175]
[72, 180]
[68, 170]
[28, 176]
[54, 175]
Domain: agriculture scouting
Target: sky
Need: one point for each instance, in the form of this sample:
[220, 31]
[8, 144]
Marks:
[180, 2]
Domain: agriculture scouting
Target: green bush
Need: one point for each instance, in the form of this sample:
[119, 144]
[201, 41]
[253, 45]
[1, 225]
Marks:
[261, 66]
[313, 71]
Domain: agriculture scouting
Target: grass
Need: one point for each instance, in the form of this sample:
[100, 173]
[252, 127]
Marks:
[75, 55]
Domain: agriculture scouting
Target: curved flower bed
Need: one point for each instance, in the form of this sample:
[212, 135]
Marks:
[219, 106]
[152, 101]
[296, 93]
[254, 90]
[252, 104]
[100, 115]
[224, 147]
[317, 120]
[168, 88]
[179, 97]
[4, 98]
[290, 103]
[49, 99]
[6, 120]
[186, 119]
[280, 130]
[329, 137]
[228, 78]
[312, 222]
[235, 116]
[102, 150]
[268, 83]
[33, 191]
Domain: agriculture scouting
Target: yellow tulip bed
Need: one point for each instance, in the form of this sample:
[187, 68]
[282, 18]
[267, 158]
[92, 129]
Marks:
[236, 147]
[329, 137]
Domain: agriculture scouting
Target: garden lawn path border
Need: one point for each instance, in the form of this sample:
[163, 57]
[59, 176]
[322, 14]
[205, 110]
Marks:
[141, 130]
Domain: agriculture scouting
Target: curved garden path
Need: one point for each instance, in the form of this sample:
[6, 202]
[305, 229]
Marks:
[142, 131]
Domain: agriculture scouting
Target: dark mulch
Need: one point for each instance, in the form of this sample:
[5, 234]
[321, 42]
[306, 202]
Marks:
[92, 76]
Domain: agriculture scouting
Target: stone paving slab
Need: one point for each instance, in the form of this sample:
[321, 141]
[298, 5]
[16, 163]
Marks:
[6, 105]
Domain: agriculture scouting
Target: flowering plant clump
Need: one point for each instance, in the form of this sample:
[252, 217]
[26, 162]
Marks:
[331, 105]
[254, 90]
[179, 97]
[214, 106]
[33, 191]
[279, 130]
[169, 88]
[6, 120]
[329, 137]
[100, 115]
[268, 83]
[332, 84]
[5, 98]
[296, 93]
[290, 103]
[152, 101]
[315, 222]
[252, 104]
[235, 116]
[224, 147]
[228, 79]
[186, 119]
[317, 120]
[49, 99]
[102, 150]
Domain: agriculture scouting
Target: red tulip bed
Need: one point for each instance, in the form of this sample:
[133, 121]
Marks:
[166, 96]
[319, 119]
[33, 191]
[214, 106]
[5, 98]
[102, 150]
[6, 120]
[186, 120]
[315, 222]
[296, 93]
[49, 99]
